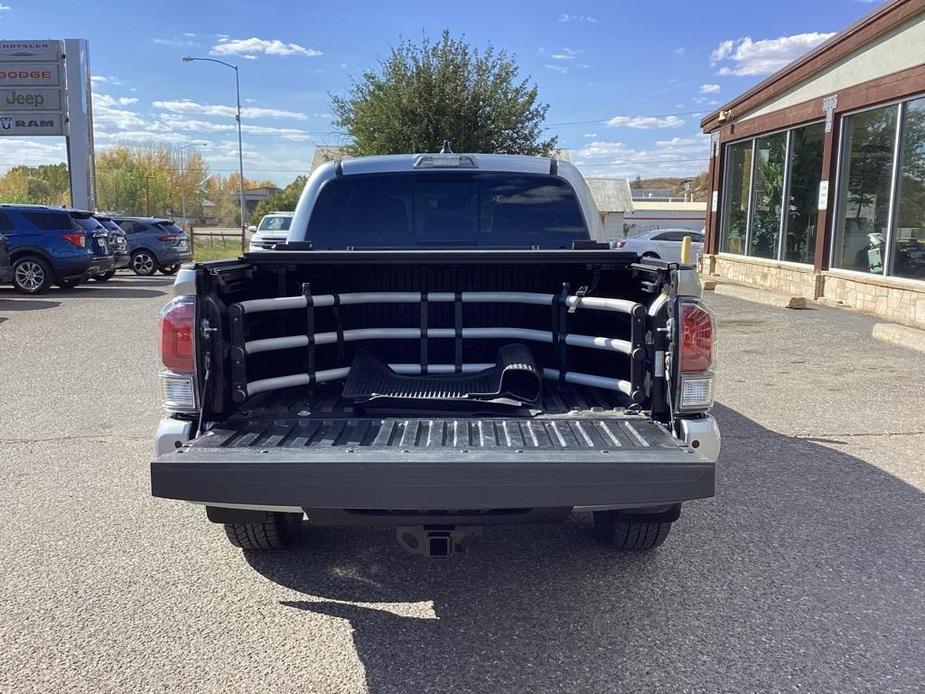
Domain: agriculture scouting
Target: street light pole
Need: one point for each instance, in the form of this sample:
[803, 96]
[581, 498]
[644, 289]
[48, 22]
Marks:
[237, 87]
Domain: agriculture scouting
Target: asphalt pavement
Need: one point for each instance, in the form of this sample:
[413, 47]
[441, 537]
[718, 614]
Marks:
[805, 573]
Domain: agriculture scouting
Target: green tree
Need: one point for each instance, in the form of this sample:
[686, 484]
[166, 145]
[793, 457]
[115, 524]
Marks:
[425, 93]
[285, 200]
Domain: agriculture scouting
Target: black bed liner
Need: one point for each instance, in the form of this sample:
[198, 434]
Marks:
[567, 417]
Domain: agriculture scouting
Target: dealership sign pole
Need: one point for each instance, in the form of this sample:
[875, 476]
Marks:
[45, 90]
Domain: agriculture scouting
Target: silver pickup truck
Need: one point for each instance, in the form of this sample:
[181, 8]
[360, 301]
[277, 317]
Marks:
[445, 342]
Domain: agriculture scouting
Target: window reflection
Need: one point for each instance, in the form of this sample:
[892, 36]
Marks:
[802, 206]
[769, 194]
[866, 175]
[909, 232]
[738, 192]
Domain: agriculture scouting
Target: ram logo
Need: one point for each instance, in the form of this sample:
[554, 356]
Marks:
[6, 122]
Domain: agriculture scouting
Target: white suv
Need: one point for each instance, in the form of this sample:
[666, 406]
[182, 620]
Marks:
[273, 228]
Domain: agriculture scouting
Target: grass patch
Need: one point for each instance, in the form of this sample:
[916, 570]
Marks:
[216, 248]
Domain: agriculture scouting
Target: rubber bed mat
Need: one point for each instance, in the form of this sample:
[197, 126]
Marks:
[514, 380]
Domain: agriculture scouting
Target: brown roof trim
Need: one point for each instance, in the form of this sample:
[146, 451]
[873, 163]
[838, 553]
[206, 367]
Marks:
[878, 22]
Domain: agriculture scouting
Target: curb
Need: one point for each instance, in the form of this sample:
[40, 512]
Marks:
[901, 335]
[761, 296]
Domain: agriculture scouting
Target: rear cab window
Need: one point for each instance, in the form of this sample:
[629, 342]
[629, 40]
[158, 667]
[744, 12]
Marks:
[450, 209]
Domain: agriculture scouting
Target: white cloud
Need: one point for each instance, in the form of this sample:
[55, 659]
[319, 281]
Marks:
[18, 150]
[4, 8]
[645, 122]
[140, 136]
[709, 88]
[698, 144]
[175, 43]
[680, 50]
[590, 135]
[178, 122]
[107, 112]
[678, 156]
[746, 56]
[561, 69]
[566, 54]
[190, 34]
[189, 106]
[103, 79]
[575, 18]
[252, 47]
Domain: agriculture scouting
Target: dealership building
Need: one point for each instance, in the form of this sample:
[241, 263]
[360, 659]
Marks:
[818, 172]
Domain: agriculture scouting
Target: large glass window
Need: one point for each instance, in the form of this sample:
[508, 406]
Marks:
[868, 144]
[754, 208]
[769, 195]
[802, 207]
[909, 230]
[736, 198]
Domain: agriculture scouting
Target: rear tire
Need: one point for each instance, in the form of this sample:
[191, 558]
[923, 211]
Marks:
[276, 531]
[650, 254]
[629, 533]
[69, 284]
[31, 275]
[143, 264]
[105, 277]
[170, 269]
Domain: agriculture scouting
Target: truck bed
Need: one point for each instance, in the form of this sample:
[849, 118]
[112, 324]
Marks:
[315, 450]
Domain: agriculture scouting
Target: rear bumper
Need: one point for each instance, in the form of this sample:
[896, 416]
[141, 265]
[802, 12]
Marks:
[416, 481]
[172, 257]
[101, 265]
[122, 261]
[6, 274]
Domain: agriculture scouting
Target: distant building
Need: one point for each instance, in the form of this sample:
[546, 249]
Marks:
[654, 194]
[657, 214]
[613, 199]
[255, 196]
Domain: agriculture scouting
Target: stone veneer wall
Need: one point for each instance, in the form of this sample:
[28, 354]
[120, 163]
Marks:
[898, 301]
[765, 274]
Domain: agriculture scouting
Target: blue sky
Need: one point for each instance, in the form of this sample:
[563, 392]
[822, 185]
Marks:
[626, 82]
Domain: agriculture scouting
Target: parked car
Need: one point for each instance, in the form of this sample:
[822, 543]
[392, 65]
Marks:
[154, 243]
[98, 240]
[6, 268]
[119, 245]
[664, 244]
[273, 229]
[445, 342]
[48, 247]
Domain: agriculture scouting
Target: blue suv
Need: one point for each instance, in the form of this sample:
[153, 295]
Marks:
[47, 246]
[154, 244]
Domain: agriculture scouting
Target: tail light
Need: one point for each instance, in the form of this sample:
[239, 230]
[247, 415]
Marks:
[167, 237]
[77, 239]
[697, 347]
[178, 343]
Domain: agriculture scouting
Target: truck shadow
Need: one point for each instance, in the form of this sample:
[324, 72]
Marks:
[803, 573]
